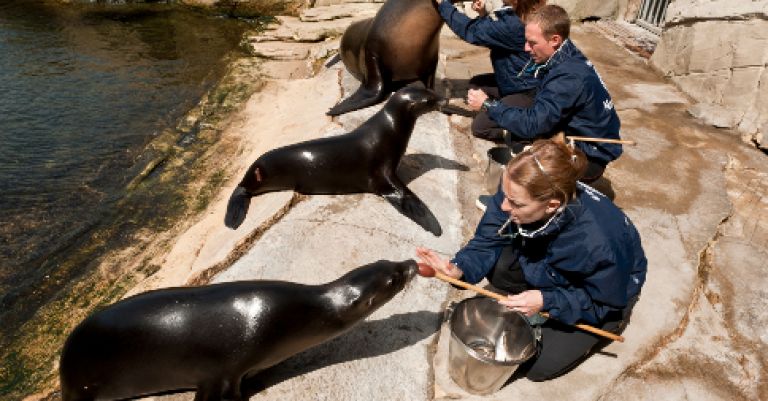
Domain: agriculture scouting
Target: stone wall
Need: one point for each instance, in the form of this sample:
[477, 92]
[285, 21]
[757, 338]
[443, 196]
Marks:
[717, 51]
[580, 9]
[627, 10]
[624, 10]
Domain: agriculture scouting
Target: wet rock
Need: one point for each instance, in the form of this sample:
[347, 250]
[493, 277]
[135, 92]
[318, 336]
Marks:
[250, 8]
[280, 50]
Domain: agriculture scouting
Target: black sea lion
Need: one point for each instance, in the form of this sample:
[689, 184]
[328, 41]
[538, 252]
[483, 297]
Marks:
[364, 160]
[210, 338]
[399, 45]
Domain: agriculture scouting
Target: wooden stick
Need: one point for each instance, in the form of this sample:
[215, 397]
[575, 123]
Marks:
[500, 297]
[589, 139]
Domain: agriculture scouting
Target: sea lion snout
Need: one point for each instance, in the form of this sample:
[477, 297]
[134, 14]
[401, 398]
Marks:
[410, 269]
[419, 100]
[237, 207]
[384, 278]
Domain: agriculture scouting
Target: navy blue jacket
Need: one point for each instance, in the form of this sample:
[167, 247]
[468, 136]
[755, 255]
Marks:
[506, 39]
[571, 97]
[587, 262]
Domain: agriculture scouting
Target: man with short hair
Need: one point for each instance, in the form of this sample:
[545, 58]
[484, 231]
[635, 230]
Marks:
[571, 96]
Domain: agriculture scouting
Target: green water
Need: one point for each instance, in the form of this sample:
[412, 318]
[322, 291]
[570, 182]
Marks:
[88, 93]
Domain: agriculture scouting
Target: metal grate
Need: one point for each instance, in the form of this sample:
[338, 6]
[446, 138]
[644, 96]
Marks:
[651, 15]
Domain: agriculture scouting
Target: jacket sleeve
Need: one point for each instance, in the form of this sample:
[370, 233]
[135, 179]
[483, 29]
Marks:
[586, 294]
[483, 31]
[558, 97]
[478, 257]
[572, 304]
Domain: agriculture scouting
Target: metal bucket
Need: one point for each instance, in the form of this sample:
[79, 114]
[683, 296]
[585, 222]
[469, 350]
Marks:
[488, 343]
[498, 158]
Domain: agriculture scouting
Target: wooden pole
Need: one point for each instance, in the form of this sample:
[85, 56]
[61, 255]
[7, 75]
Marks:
[500, 297]
[603, 140]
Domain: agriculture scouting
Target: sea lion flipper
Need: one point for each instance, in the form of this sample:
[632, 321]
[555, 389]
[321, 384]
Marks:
[237, 207]
[407, 203]
[370, 92]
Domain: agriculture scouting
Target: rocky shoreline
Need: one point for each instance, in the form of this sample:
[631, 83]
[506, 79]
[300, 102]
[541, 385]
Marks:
[697, 197]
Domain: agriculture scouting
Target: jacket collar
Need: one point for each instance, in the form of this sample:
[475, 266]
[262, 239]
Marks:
[567, 50]
[559, 220]
[564, 52]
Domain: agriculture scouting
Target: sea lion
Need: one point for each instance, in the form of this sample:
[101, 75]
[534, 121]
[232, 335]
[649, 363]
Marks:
[363, 160]
[397, 46]
[210, 338]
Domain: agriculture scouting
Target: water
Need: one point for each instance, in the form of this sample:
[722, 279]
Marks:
[83, 90]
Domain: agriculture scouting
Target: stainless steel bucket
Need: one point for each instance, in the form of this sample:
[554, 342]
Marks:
[498, 158]
[488, 343]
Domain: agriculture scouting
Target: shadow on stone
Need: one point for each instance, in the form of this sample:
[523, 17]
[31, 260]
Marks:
[454, 88]
[413, 166]
[366, 340]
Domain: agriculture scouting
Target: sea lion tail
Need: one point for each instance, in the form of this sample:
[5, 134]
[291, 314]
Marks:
[237, 207]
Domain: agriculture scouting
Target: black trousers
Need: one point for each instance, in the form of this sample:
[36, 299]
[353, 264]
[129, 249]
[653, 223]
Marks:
[562, 347]
[485, 128]
[482, 125]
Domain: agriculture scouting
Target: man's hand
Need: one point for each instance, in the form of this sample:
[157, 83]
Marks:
[475, 98]
[528, 302]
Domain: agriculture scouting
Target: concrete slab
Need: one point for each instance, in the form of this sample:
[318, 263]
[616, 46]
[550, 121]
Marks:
[268, 121]
[326, 236]
[671, 185]
[697, 196]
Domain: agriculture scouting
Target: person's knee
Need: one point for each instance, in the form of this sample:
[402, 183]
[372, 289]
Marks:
[593, 172]
[548, 367]
[483, 130]
[541, 372]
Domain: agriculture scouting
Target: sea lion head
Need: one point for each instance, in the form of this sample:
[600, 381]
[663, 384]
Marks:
[360, 292]
[418, 100]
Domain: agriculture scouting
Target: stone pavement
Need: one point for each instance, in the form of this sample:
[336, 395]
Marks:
[696, 194]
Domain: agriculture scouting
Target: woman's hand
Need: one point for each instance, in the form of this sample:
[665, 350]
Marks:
[475, 98]
[431, 258]
[479, 7]
[528, 302]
